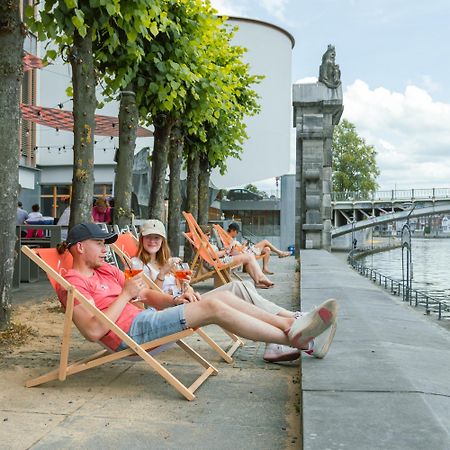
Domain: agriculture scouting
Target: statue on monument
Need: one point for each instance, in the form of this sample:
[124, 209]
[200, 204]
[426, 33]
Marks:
[329, 72]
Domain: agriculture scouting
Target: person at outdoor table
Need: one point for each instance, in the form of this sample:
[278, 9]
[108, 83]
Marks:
[65, 217]
[263, 247]
[101, 212]
[35, 215]
[106, 286]
[21, 214]
[155, 260]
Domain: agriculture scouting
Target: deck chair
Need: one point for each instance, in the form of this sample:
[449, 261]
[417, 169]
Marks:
[205, 253]
[53, 264]
[226, 239]
[126, 247]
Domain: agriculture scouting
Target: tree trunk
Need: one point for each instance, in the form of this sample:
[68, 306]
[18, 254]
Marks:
[11, 72]
[203, 190]
[84, 104]
[174, 213]
[163, 126]
[191, 198]
[128, 121]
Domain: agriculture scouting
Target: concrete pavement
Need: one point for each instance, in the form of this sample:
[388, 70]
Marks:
[250, 404]
[386, 382]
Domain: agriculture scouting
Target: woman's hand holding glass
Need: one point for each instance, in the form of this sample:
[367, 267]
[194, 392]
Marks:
[183, 273]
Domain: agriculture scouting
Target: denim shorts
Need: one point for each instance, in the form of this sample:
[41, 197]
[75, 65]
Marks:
[151, 324]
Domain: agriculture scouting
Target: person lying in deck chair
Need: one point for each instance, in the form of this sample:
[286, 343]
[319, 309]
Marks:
[106, 286]
[264, 247]
[154, 258]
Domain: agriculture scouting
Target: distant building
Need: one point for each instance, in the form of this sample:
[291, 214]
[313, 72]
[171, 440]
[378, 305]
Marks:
[269, 218]
[46, 161]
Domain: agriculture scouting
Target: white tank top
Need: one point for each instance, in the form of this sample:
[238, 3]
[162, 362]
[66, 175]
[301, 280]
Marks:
[170, 282]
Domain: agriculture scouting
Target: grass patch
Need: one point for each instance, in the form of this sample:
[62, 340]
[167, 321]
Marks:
[16, 334]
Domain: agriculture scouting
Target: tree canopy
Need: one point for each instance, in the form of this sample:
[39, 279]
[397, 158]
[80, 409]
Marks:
[354, 161]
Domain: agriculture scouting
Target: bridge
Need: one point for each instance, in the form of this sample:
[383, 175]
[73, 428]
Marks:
[351, 212]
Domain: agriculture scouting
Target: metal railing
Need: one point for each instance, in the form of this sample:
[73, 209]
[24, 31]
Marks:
[397, 287]
[393, 195]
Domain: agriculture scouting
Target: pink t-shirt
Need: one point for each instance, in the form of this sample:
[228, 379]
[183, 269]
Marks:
[103, 288]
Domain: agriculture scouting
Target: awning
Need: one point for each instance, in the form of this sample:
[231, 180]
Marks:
[63, 120]
[31, 62]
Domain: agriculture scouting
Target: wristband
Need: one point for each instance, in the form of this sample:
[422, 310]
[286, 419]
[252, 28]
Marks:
[174, 298]
[160, 279]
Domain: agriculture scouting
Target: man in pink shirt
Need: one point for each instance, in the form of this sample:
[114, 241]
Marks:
[106, 286]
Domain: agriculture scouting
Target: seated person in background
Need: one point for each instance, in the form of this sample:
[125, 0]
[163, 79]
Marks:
[65, 217]
[263, 247]
[247, 259]
[34, 216]
[101, 212]
[21, 214]
[105, 285]
[154, 258]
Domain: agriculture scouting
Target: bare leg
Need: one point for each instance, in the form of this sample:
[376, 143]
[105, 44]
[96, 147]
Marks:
[252, 267]
[216, 312]
[281, 322]
[266, 257]
[266, 243]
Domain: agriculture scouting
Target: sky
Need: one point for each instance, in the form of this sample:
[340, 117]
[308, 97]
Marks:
[394, 70]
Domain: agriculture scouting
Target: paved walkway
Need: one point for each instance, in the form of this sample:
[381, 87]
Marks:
[386, 382]
[248, 405]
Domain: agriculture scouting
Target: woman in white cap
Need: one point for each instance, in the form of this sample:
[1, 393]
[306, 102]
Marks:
[154, 257]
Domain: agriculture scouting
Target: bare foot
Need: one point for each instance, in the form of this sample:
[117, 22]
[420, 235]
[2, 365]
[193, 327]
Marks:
[267, 272]
[284, 254]
[266, 282]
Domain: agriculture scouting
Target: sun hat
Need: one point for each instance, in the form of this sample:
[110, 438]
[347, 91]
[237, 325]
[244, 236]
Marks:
[153, 226]
[84, 231]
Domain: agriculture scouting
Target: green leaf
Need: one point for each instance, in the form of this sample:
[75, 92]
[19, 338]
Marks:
[51, 54]
[71, 4]
[154, 29]
[77, 22]
[111, 9]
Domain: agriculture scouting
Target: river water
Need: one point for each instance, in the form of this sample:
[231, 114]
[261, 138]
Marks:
[431, 266]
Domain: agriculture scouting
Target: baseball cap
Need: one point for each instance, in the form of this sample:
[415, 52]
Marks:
[84, 231]
[153, 226]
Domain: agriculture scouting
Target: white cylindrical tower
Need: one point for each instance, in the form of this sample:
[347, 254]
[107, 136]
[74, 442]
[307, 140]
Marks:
[267, 151]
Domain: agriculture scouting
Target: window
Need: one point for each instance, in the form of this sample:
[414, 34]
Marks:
[259, 223]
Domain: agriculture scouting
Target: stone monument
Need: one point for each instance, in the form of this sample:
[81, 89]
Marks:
[317, 109]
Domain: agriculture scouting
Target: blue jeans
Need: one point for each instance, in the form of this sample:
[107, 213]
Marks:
[151, 324]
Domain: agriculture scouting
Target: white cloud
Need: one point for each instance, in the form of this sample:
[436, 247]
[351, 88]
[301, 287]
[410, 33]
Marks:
[410, 131]
[229, 8]
[276, 8]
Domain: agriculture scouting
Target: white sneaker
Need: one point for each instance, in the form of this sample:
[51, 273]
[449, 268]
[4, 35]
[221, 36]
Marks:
[278, 353]
[312, 324]
[321, 344]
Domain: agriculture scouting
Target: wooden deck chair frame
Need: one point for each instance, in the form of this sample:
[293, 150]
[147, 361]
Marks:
[104, 356]
[205, 252]
[124, 252]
